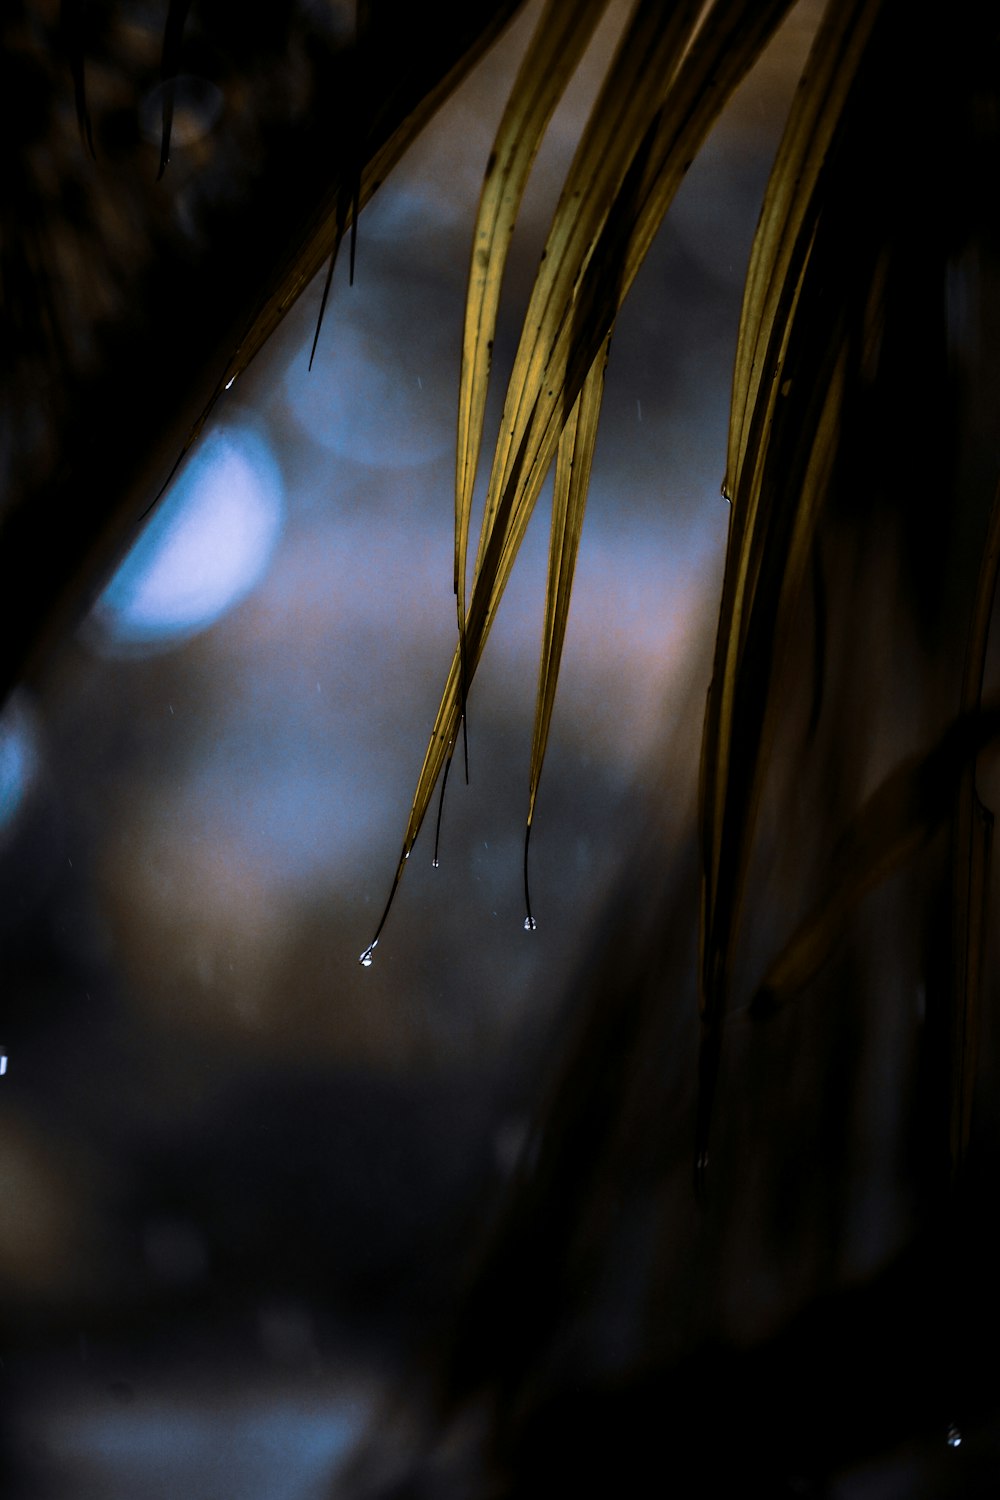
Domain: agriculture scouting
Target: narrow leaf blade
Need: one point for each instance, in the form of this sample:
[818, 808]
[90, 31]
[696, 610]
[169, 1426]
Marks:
[572, 478]
[560, 39]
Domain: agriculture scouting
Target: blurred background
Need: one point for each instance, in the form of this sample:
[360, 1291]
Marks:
[240, 1175]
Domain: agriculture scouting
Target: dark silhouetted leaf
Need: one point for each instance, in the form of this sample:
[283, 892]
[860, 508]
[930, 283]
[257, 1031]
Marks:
[897, 820]
[173, 37]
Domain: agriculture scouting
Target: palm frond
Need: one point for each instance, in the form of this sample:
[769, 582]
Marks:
[811, 332]
[674, 70]
[806, 298]
[818, 330]
[774, 352]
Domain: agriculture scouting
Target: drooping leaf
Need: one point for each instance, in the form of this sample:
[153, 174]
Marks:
[788, 217]
[669, 80]
[783, 566]
[872, 277]
[594, 250]
[763, 380]
[663, 91]
[560, 40]
[898, 819]
[812, 313]
[574, 457]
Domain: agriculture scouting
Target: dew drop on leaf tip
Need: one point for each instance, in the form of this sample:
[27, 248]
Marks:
[435, 863]
[366, 957]
[530, 925]
[954, 1437]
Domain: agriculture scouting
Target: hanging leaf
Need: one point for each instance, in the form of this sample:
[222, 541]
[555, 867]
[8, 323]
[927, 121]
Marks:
[669, 80]
[788, 218]
[897, 820]
[561, 37]
[808, 293]
[664, 90]
[574, 457]
[783, 427]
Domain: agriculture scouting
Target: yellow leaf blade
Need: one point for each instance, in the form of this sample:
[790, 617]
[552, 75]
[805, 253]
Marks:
[595, 246]
[669, 81]
[787, 219]
[560, 39]
[572, 477]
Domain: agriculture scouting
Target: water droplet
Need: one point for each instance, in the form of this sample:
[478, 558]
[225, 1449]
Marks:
[366, 957]
[435, 863]
[230, 382]
[3, 1061]
[530, 925]
[954, 1437]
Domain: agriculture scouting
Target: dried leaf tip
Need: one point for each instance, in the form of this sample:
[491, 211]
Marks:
[365, 959]
[530, 925]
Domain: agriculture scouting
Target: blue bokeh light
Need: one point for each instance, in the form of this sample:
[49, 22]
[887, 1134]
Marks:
[18, 762]
[207, 544]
